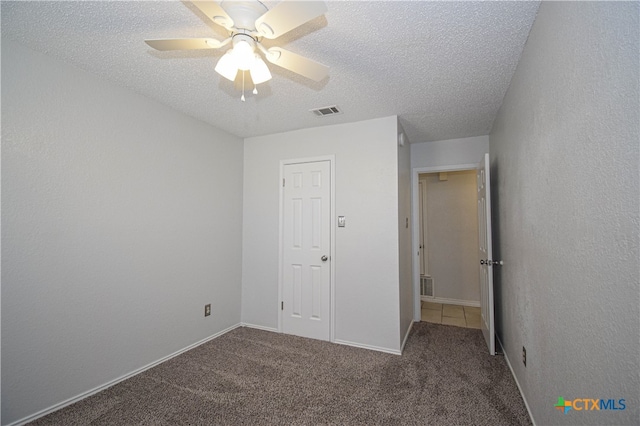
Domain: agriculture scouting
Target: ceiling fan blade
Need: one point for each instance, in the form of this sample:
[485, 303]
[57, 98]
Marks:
[215, 12]
[288, 15]
[296, 63]
[187, 43]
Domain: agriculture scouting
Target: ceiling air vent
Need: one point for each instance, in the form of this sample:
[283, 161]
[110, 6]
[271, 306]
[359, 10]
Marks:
[330, 110]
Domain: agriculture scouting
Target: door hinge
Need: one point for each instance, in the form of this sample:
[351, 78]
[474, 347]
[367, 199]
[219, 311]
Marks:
[282, 306]
[283, 183]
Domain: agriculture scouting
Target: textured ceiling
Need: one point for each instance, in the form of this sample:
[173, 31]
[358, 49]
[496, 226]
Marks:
[442, 67]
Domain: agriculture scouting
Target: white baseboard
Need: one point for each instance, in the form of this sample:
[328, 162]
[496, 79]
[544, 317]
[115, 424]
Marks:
[342, 342]
[406, 336]
[260, 327]
[516, 379]
[447, 301]
[370, 347]
[100, 388]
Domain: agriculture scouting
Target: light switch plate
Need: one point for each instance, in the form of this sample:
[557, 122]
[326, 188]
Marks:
[341, 221]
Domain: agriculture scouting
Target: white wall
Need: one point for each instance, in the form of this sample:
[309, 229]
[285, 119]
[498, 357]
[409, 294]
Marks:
[449, 152]
[404, 237]
[564, 158]
[452, 235]
[366, 257]
[121, 218]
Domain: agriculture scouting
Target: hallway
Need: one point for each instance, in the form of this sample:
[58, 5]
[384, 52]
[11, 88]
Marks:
[456, 315]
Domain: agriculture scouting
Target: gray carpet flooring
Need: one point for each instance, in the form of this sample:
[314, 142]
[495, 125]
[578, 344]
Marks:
[253, 377]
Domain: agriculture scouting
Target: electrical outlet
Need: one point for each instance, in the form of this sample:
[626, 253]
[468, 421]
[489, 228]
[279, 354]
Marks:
[207, 310]
[524, 356]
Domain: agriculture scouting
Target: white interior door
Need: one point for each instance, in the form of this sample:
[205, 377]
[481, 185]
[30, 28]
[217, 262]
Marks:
[305, 307]
[485, 253]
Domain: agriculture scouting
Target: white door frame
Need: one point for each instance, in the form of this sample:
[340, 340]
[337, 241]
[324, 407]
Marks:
[415, 218]
[332, 236]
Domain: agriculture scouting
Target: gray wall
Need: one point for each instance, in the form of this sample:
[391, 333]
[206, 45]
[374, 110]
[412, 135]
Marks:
[449, 152]
[405, 252]
[121, 218]
[366, 258]
[564, 158]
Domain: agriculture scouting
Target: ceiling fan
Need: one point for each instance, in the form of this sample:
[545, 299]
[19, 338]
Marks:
[248, 22]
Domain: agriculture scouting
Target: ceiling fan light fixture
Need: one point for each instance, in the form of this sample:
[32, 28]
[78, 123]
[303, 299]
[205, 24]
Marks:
[247, 22]
[227, 66]
[243, 53]
[259, 71]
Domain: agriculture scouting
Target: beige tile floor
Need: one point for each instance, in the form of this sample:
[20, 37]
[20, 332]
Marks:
[459, 316]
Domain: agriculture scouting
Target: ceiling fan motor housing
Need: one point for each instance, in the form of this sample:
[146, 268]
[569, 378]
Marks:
[244, 13]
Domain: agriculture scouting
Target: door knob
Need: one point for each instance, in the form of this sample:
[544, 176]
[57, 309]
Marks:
[491, 262]
[324, 258]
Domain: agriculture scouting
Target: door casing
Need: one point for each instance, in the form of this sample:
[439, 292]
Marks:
[423, 231]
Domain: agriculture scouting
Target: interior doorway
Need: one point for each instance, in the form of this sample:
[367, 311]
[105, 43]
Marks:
[484, 254]
[445, 223]
[448, 253]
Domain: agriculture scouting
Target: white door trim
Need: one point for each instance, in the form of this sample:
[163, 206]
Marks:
[332, 236]
[415, 217]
